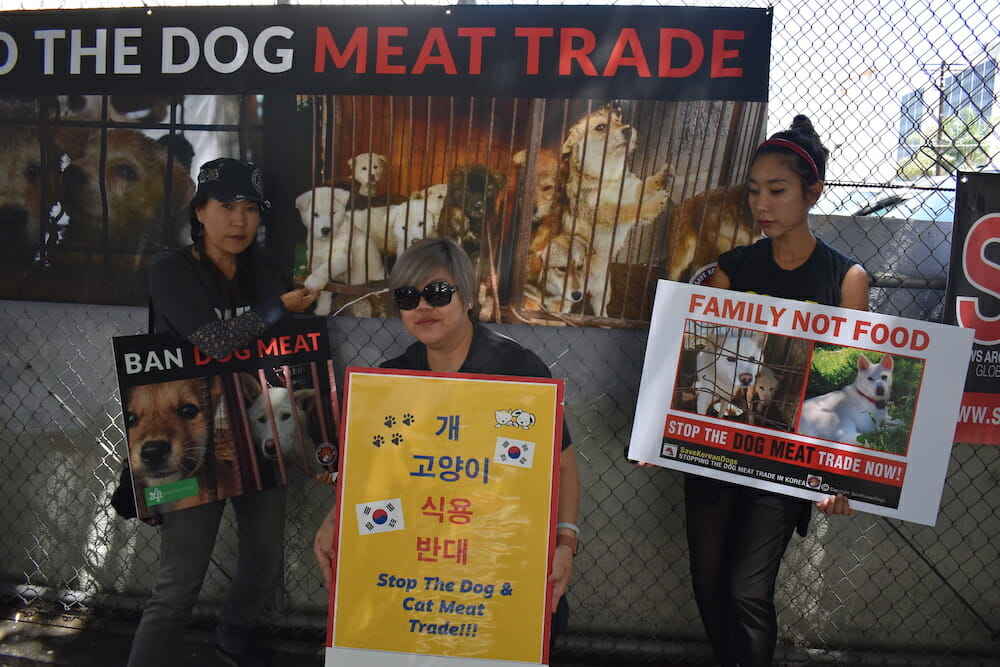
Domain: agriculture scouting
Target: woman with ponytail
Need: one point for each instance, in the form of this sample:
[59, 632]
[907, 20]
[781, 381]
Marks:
[737, 535]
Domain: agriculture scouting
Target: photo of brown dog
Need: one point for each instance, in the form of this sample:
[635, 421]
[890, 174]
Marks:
[706, 225]
[170, 429]
[605, 200]
[470, 212]
[146, 203]
[29, 177]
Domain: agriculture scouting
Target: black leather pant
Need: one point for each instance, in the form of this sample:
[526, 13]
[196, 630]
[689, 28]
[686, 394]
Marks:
[736, 537]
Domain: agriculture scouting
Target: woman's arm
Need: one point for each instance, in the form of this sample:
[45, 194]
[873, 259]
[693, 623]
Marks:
[854, 289]
[323, 545]
[568, 509]
[180, 296]
[718, 279]
[217, 338]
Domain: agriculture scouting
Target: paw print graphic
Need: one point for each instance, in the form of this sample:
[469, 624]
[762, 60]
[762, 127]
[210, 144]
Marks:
[408, 419]
[378, 440]
[390, 421]
[397, 439]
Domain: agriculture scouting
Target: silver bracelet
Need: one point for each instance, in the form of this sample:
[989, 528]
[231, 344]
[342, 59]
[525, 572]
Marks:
[572, 526]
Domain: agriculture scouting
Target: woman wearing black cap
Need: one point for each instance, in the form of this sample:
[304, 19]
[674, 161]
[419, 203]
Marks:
[220, 293]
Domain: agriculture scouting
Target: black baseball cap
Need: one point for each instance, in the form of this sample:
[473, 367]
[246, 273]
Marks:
[227, 179]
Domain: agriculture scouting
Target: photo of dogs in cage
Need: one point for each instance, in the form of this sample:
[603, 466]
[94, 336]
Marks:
[571, 208]
[859, 397]
[93, 185]
[741, 375]
[197, 440]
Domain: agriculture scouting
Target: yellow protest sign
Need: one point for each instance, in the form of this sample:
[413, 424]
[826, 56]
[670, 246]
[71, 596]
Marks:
[446, 515]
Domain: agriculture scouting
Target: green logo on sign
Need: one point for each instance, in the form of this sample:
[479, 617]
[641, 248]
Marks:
[167, 493]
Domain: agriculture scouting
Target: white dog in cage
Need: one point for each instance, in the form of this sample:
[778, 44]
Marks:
[291, 418]
[416, 218]
[728, 364]
[366, 170]
[338, 251]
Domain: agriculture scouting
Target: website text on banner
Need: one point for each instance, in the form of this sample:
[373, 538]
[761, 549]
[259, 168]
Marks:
[801, 399]
[446, 516]
[200, 429]
[973, 301]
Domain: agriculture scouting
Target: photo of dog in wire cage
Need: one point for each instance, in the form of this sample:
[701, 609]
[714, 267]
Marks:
[93, 185]
[741, 375]
[571, 209]
[196, 440]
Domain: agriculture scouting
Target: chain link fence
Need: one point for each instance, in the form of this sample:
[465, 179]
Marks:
[900, 118]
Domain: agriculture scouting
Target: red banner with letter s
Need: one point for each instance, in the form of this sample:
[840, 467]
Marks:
[973, 301]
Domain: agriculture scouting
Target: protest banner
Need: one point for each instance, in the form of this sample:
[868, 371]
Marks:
[801, 399]
[353, 108]
[973, 300]
[445, 519]
[200, 429]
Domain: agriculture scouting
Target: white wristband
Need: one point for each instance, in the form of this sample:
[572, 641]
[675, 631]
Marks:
[572, 526]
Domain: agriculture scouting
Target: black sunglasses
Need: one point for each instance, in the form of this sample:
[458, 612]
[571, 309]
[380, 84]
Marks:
[436, 294]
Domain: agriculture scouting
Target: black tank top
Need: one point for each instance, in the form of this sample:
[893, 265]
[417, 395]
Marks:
[751, 268]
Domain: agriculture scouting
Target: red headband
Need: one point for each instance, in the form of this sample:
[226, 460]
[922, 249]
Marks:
[795, 148]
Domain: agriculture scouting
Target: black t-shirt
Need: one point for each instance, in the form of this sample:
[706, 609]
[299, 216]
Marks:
[490, 354]
[751, 268]
[185, 295]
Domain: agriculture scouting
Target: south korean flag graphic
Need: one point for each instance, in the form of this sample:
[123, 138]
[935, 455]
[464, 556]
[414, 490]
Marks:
[380, 516]
[513, 452]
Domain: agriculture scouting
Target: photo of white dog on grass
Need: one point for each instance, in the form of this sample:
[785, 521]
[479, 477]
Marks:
[860, 398]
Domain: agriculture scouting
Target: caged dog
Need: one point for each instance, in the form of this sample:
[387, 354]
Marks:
[367, 170]
[548, 194]
[556, 270]
[29, 186]
[726, 368]
[470, 207]
[147, 186]
[763, 408]
[416, 218]
[605, 200]
[557, 261]
[169, 429]
[291, 420]
[706, 225]
[860, 407]
[337, 251]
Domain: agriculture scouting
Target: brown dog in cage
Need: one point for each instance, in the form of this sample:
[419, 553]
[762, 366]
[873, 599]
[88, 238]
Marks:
[548, 189]
[706, 225]
[557, 262]
[557, 270]
[29, 172]
[470, 212]
[169, 429]
[605, 200]
[141, 215]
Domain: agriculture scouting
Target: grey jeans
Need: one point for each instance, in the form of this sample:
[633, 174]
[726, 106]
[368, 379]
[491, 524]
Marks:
[187, 538]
